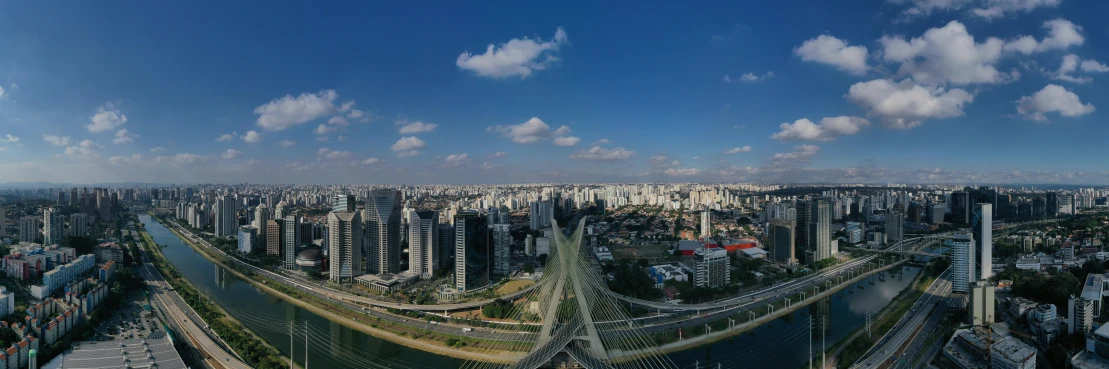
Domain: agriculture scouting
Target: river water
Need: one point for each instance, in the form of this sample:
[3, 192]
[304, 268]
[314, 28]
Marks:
[782, 343]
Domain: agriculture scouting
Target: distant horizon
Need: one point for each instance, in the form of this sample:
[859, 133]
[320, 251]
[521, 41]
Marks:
[34, 185]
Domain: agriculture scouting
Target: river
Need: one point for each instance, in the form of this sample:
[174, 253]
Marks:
[779, 344]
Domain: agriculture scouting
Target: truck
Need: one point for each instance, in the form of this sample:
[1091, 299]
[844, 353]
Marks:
[467, 329]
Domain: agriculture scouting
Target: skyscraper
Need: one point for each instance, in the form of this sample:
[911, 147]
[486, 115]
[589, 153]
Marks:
[960, 208]
[344, 232]
[423, 237]
[1066, 204]
[895, 226]
[28, 229]
[820, 227]
[444, 248]
[227, 220]
[261, 220]
[711, 267]
[343, 202]
[539, 215]
[471, 251]
[274, 237]
[53, 227]
[382, 222]
[706, 222]
[801, 230]
[781, 237]
[3, 222]
[1052, 204]
[78, 225]
[962, 262]
[279, 210]
[982, 230]
[502, 246]
[247, 238]
[291, 239]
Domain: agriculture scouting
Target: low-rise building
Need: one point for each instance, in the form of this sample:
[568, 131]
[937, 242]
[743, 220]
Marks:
[968, 349]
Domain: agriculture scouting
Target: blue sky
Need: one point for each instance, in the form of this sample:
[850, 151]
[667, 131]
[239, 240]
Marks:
[963, 91]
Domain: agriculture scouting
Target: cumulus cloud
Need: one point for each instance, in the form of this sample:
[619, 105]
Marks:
[106, 118]
[123, 135]
[516, 58]
[338, 121]
[285, 143]
[327, 153]
[358, 115]
[1072, 63]
[84, 150]
[749, 77]
[800, 154]
[89, 144]
[1052, 98]
[456, 159]
[567, 141]
[828, 129]
[182, 158]
[736, 150]
[905, 104]
[133, 159]
[371, 161]
[252, 137]
[231, 154]
[1061, 34]
[157, 149]
[947, 55]
[682, 172]
[408, 146]
[531, 131]
[407, 128]
[288, 111]
[662, 161]
[8, 138]
[227, 137]
[835, 52]
[56, 140]
[997, 8]
[498, 155]
[324, 129]
[597, 153]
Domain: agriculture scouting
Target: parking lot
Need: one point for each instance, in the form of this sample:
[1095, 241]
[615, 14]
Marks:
[130, 321]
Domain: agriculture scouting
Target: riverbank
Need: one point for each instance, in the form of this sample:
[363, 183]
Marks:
[693, 342]
[302, 301]
[255, 351]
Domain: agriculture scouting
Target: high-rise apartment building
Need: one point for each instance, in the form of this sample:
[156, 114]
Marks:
[982, 231]
[227, 217]
[820, 229]
[53, 227]
[960, 208]
[935, 213]
[344, 232]
[291, 239]
[895, 227]
[444, 248]
[802, 230]
[274, 237]
[502, 246]
[382, 222]
[1052, 204]
[28, 229]
[711, 267]
[423, 237]
[261, 220]
[539, 215]
[247, 238]
[1066, 205]
[780, 234]
[706, 223]
[78, 224]
[3, 222]
[343, 202]
[962, 262]
[471, 251]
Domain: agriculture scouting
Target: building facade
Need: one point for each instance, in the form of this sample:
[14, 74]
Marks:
[962, 263]
[502, 247]
[471, 251]
[711, 267]
[382, 222]
[781, 238]
[423, 237]
[344, 231]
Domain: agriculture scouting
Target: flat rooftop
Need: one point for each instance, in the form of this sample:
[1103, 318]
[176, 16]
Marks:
[155, 351]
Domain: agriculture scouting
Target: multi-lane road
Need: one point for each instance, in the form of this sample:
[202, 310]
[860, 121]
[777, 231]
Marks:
[921, 319]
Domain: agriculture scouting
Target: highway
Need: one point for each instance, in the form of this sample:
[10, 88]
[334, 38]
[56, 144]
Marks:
[921, 318]
[186, 318]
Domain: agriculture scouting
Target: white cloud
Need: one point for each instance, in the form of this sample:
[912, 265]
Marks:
[158, 149]
[252, 136]
[324, 129]
[905, 104]
[529, 132]
[89, 144]
[56, 140]
[1072, 63]
[359, 115]
[133, 159]
[288, 111]
[107, 118]
[498, 155]
[82, 152]
[516, 58]
[926, 7]
[408, 146]
[1052, 98]
[1090, 65]
[123, 135]
[737, 150]
[338, 121]
[751, 77]
[231, 154]
[8, 138]
[285, 143]
[597, 153]
[682, 172]
[947, 55]
[835, 52]
[1061, 34]
[332, 154]
[226, 137]
[662, 161]
[828, 129]
[415, 127]
[341, 138]
[800, 154]
[456, 159]
[182, 158]
[567, 141]
[602, 141]
[371, 161]
[998, 8]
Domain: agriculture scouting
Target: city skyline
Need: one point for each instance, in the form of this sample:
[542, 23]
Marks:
[905, 91]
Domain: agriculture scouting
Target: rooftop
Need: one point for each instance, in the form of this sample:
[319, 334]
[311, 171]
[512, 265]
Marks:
[156, 349]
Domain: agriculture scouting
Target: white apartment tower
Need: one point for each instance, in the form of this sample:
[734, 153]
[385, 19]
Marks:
[344, 231]
[291, 227]
[261, 219]
[227, 221]
[962, 263]
[706, 222]
[52, 227]
[423, 239]
[711, 267]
